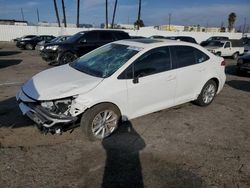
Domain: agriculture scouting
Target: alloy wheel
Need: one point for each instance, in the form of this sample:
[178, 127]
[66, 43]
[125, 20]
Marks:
[209, 93]
[104, 124]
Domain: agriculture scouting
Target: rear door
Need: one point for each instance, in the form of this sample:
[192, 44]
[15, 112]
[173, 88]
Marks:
[105, 37]
[190, 65]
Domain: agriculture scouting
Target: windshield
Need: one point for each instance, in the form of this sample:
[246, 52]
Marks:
[104, 61]
[75, 37]
[215, 43]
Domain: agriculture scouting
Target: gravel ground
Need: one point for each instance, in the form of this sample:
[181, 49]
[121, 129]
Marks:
[185, 146]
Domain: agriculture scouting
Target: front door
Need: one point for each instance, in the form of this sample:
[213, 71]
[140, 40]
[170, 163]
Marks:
[153, 83]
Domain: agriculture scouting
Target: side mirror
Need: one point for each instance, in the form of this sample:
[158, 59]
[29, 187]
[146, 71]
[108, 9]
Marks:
[136, 78]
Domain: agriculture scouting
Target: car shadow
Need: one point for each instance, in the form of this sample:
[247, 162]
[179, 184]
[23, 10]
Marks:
[7, 53]
[123, 166]
[9, 62]
[239, 84]
[11, 116]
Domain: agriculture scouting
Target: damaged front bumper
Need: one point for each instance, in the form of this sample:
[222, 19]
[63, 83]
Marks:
[45, 120]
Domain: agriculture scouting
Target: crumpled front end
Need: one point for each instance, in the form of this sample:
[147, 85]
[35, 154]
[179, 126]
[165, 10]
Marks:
[50, 116]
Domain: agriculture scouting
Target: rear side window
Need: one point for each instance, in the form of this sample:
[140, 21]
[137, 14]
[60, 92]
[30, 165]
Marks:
[184, 56]
[152, 62]
[106, 36]
[200, 56]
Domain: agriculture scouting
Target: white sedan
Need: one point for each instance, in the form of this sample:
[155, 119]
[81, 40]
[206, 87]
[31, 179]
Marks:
[121, 81]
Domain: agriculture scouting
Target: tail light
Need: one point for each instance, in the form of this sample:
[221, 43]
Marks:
[223, 63]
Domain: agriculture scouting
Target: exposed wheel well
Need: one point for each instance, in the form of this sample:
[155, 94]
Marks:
[216, 81]
[110, 103]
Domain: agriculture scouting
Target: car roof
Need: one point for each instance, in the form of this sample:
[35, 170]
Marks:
[151, 43]
[103, 30]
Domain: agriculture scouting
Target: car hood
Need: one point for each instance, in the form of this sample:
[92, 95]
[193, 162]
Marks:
[59, 82]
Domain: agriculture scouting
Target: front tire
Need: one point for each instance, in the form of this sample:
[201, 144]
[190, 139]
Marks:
[66, 57]
[29, 47]
[207, 94]
[100, 121]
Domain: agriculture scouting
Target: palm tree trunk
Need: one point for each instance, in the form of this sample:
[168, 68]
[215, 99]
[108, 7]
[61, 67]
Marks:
[139, 14]
[107, 22]
[57, 15]
[64, 15]
[113, 19]
[78, 12]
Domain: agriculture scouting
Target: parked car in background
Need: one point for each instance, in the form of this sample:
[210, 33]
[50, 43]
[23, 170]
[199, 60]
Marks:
[30, 43]
[182, 38]
[79, 44]
[243, 64]
[246, 42]
[137, 37]
[121, 80]
[40, 45]
[226, 48]
[25, 37]
[204, 43]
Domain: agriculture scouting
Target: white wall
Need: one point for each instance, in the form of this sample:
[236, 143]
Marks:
[9, 32]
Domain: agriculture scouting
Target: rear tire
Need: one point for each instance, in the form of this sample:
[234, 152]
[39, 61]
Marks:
[100, 121]
[207, 94]
[235, 55]
[66, 57]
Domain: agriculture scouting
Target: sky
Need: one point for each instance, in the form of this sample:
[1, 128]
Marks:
[154, 12]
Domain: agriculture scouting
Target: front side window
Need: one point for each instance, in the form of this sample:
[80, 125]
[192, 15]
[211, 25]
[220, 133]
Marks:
[90, 37]
[152, 62]
[104, 61]
[227, 45]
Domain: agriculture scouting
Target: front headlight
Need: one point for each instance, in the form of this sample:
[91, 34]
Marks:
[60, 106]
[54, 47]
[41, 47]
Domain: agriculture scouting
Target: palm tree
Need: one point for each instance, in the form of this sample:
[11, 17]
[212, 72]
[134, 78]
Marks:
[57, 15]
[113, 19]
[107, 22]
[78, 12]
[231, 21]
[64, 15]
[139, 23]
